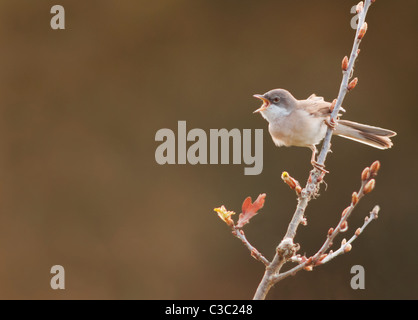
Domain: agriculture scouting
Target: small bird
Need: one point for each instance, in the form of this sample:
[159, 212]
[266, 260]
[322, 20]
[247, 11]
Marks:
[303, 123]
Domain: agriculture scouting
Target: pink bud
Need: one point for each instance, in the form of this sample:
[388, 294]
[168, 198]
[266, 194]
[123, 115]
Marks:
[369, 186]
[354, 198]
[345, 211]
[344, 226]
[344, 64]
[374, 168]
[362, 31]
[352, 84]
[365, 174]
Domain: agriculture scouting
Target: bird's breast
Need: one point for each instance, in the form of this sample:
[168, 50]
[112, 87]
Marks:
[299, 128]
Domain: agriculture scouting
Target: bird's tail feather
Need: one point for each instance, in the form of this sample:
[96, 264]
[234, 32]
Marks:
[372, 136]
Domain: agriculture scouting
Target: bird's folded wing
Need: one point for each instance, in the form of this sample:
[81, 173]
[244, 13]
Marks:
[315, 107]
[314, 97]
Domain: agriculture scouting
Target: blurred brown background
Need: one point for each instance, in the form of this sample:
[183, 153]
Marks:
[79, 185]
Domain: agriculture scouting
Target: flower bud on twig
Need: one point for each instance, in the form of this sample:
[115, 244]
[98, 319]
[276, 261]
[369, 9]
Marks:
[347, 248]
[344, 226]
[369, 186]
[374, 168]
[308, 264]
[375, 212]
[292, 183]
[354, 198]
[344, 64]
[362, 31]
[345, 211]
[323, 256]
[255, 254]
[352, 84]
[365, 174]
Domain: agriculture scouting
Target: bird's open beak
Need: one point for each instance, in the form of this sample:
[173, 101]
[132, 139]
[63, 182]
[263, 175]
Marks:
[265, 105]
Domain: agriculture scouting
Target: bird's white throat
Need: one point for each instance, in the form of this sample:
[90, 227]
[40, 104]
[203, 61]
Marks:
[274, 112]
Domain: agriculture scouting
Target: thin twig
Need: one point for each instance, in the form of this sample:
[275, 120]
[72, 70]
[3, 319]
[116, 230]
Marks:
[343, 249]
[254, 252]
[321, 257]
[366, 187]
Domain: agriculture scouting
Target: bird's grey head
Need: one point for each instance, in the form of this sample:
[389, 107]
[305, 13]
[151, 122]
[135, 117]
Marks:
[276, 102]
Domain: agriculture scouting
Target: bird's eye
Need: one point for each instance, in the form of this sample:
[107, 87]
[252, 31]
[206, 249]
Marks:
[275, 100]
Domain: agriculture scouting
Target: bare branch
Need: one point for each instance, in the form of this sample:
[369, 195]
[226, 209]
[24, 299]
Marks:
[323, 255]
[254, 252]
[286, 248]
[343, 248]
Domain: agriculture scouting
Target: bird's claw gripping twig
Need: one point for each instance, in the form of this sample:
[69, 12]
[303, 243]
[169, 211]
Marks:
[331, 123]
[319, 166]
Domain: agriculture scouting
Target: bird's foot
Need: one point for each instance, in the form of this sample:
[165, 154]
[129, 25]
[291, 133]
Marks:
[319, 167]
[331, 123]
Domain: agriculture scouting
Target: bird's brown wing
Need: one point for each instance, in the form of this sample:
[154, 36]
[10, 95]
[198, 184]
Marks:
[315, 106]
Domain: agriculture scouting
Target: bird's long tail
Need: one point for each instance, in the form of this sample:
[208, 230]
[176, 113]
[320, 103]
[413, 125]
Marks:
[372, 136]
